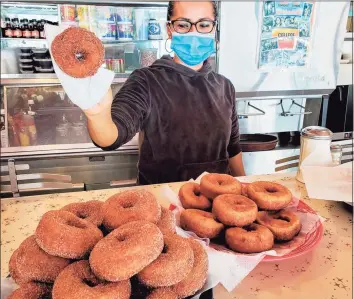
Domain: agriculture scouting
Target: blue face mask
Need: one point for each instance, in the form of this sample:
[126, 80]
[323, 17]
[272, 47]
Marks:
[193, 48]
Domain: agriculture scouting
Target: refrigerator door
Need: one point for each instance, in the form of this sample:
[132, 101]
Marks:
[289, 47]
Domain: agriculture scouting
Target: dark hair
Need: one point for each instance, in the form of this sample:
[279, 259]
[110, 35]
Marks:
[171, 5]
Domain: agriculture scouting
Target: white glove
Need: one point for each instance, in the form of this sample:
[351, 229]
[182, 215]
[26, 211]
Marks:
[83, 92]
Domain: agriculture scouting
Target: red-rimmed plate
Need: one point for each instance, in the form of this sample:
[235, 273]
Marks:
[311, 240]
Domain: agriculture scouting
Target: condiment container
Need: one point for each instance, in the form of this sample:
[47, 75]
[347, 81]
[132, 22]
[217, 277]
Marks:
[336, 152]
[154, 30]
[313, 138]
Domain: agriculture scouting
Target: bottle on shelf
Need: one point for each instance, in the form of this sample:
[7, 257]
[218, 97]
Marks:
[35, 31]
[26, 33]
[17, 32]
[41, 30]
[3, 26]
[30, 28]
[8, 29]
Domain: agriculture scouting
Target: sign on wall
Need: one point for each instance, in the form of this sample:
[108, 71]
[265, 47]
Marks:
[286, 33]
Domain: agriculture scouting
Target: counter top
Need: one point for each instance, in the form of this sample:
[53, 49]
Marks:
[325, 273]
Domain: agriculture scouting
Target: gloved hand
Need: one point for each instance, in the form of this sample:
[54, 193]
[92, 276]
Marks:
[83, 92]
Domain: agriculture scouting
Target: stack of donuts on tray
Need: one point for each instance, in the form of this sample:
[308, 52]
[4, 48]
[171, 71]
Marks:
[247, 218]
[126, 247]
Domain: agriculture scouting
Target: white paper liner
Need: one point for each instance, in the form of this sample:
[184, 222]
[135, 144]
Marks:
[230, 268]
[83, 92]
[326, 181]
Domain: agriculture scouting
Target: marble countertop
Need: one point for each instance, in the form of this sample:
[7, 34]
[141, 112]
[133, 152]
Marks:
[324, 273]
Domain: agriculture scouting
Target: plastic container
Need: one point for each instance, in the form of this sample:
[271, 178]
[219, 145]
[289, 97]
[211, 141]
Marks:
[125, 31]
[26, 50]
[154, 30]
[43, 63]
[141, 24]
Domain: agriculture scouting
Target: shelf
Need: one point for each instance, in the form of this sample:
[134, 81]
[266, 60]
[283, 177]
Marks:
[140, 3]
[45, 79]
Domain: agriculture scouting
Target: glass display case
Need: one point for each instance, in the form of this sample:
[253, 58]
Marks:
[36, 115]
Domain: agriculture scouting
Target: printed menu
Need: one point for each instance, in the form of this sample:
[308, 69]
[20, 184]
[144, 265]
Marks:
[286, 32]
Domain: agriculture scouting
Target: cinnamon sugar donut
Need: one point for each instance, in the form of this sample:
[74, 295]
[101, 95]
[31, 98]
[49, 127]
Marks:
[78, 282]
[32, 290]
[250, 239]
[78, 52]
[167, 222]
[198, 276]
[126, 251]
[162, 293]
[214, 184]
[130, 206]
[285, 225]
[61, 233]
[191, 198]
[234, 210]
[91, 210]
[268, 195]
[172, 266]
[30, 263]
[202, 223]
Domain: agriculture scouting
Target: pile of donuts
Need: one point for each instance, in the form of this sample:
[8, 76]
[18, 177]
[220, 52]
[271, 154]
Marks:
[247, 218]
[126, 247]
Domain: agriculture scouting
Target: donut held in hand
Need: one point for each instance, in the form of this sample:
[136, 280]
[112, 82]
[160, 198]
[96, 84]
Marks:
[250, 239]
[77, 281]
[63, 234]
[130, 206]
[191, 198]
[126, 251]
[30, 263]
[285, 225]
[78, 52]
[214, 184]
[203, 224]
[234, 210]
[269, 196]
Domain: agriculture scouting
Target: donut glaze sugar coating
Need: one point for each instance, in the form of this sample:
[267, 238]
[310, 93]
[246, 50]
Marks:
[251, 239]
[214, 184]
[167, 222]
[34, 264]
[285, 225]
[191, 198]
[162, 293]
[198, 276]
[78, 52]
[130, 206]
[203, 224]
[269, 195]
[126, 251]
[234, 210]
[32, 290]
[172, 266]
[78, 282]
[63, 234]
[91, 211]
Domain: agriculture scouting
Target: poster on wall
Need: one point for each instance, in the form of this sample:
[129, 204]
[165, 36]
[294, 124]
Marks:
[286, 33]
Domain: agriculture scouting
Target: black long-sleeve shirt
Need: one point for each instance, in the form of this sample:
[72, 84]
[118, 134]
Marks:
[188, 119]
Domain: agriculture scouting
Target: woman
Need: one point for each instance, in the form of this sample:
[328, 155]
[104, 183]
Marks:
[184, 111]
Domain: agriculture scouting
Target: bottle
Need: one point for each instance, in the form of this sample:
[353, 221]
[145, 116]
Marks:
[3, 27]
[154, 29]
[35, 32]
[30, 27]
[17, 32]
[26, 33]
[41, 31]
[8, 29]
